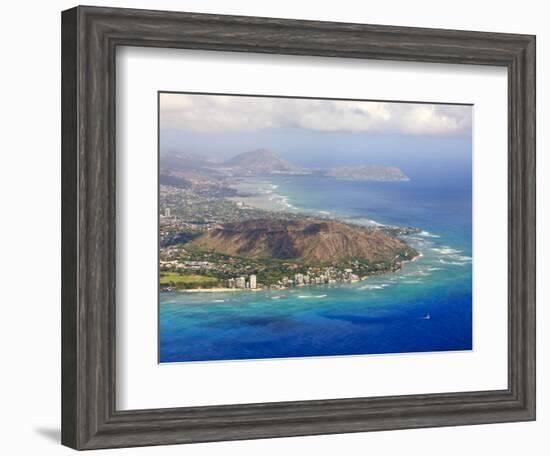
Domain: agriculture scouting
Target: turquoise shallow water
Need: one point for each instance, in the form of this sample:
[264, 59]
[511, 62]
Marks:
[384, 314]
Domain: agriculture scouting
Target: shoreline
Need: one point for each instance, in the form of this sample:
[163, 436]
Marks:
[267, 199]
[272, 201]
[263, 201]
[412, 260]
[223, 290]
[212, 290]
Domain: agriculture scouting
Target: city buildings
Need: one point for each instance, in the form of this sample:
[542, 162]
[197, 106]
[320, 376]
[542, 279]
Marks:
[240, 282]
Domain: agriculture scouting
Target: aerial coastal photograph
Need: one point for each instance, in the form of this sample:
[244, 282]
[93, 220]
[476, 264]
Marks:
[305, 227]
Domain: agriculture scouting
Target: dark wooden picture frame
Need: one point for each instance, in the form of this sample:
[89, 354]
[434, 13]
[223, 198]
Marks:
[90, 36]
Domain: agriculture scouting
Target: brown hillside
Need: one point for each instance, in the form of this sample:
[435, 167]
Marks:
[261, 161]
[305, 240]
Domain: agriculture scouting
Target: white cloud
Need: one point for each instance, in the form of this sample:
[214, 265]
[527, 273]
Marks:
[216, 113]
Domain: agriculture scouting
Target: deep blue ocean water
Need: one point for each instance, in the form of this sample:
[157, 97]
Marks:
[384, 314]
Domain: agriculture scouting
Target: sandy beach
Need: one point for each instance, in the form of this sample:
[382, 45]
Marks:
[217, 290]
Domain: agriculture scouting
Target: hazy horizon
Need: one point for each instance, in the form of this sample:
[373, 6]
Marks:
[415, 137]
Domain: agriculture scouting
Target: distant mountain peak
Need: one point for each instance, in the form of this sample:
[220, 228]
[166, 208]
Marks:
[261, 160]
[262, 152]
[368, 172]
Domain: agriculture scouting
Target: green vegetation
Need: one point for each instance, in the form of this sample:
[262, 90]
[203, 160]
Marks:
[194, 267]
[187, 281]
[174, 236]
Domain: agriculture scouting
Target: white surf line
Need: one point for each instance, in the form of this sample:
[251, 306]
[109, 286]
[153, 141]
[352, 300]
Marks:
[425, 233]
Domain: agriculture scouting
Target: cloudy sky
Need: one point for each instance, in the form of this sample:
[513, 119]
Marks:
[216, 113]
[418, 138]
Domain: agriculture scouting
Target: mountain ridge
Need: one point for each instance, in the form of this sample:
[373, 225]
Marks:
[265, 161]
[309, 241]
[367, 172]
[261, 161]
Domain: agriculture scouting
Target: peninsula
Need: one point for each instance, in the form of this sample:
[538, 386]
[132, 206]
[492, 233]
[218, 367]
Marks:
[211, 240]
[266, 162]
[280, 253]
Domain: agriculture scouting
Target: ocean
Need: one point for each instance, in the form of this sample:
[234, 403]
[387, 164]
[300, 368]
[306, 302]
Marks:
[424, 307]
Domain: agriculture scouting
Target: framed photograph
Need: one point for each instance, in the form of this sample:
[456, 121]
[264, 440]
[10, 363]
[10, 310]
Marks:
[280, 228]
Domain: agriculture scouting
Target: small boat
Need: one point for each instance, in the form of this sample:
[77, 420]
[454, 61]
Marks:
[427, 317]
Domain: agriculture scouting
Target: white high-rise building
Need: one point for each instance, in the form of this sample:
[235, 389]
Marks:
[167, 212]
[240, 282]
[252, 280]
